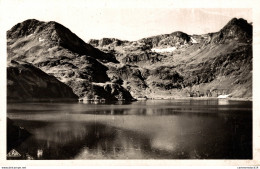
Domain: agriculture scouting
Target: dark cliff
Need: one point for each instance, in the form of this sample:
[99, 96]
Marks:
[28, 83]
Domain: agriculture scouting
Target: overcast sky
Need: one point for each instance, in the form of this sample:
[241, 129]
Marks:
[126, 22]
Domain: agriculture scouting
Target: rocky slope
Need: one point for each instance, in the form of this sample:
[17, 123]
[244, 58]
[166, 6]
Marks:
[178, 65]
[164, 66]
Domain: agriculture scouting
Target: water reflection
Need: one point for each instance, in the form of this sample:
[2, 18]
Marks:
[223, 102]
[120, 102]
[147, 130]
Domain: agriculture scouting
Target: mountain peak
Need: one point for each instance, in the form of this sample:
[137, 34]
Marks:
[24, 28]
[238, 28]
[43, 35]
[237, 21]
[30, 21]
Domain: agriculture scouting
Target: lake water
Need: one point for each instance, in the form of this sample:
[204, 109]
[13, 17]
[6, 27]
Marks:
[153, 129]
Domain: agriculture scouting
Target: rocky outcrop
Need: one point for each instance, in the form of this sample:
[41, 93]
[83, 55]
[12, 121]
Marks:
[112, 92]
[28, 83]
[142, 58]
[106, 41]
[141, 81]
[173, 39]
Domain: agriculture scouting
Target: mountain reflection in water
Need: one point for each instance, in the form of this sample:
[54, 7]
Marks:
[177, 129]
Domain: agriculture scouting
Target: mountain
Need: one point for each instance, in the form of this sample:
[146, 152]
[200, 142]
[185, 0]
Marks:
[44, 39]
[178, 64]
[58, 52]
[164, 66]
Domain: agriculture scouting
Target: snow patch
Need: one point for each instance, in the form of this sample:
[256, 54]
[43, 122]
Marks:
[41, 39]
[63, 79]
[193, 40]
[30, 35]
[101, 84]
[163, 50]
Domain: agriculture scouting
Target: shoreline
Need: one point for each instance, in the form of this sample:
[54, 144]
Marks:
[202, 98]
[148, 98]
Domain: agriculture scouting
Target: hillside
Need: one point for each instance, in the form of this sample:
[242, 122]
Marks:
[164, 66]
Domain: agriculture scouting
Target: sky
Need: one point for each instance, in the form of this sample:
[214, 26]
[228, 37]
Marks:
[126, 21]
[123, 21]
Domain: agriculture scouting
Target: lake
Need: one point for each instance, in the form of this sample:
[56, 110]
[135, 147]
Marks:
[152, 129]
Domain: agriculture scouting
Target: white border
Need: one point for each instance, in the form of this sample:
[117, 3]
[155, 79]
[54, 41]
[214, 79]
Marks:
[254, 4]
